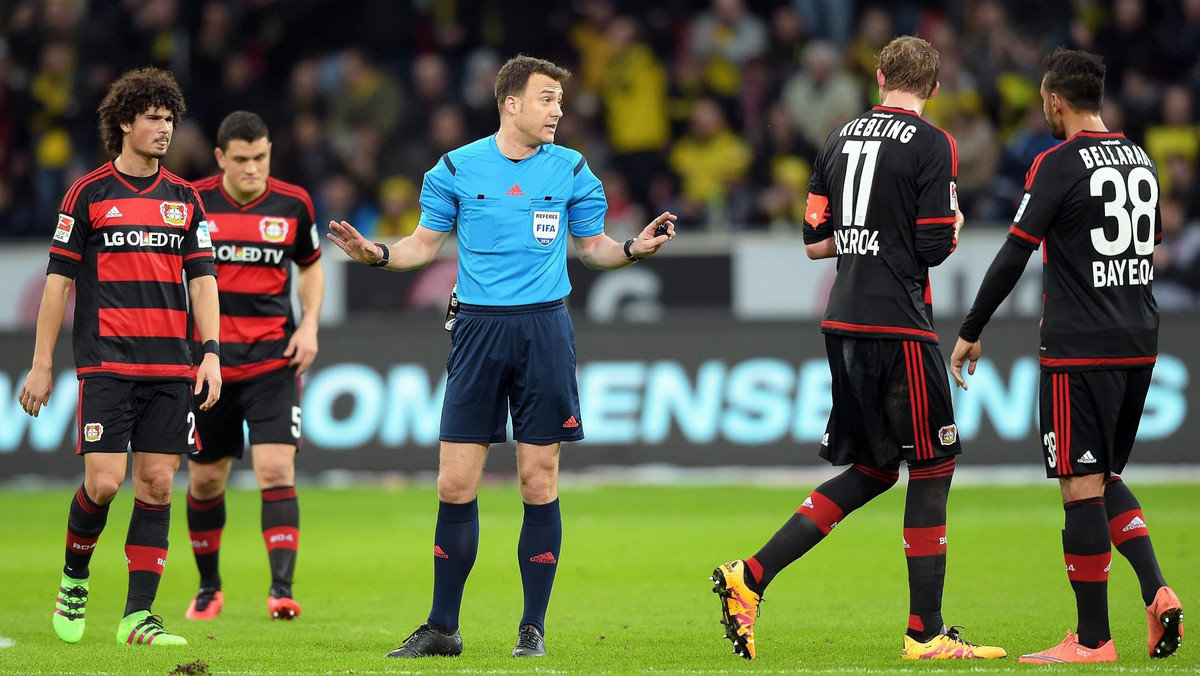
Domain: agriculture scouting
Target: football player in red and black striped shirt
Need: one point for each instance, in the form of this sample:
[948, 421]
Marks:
[259, 227]
[882, 200]
[1091, 203]
[127, 235]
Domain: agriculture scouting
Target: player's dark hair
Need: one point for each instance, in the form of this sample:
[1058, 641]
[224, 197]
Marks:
[514, 76]
[132, 94]
[240, 125]
[910, 65]
[1078, 77]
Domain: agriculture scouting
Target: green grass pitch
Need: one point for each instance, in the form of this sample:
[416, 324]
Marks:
[631, 596]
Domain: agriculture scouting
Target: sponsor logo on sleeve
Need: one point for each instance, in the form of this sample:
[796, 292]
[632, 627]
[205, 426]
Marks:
[953, 196]
[62, 233]
[202, 236]
[1021, 209]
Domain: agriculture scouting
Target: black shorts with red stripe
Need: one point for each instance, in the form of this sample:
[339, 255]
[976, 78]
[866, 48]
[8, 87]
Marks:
[891, 402]
[1089, 419]
[268, 406]
[116, 415]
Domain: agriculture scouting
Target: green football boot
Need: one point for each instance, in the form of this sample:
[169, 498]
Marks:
[142, 628]
[68, 610]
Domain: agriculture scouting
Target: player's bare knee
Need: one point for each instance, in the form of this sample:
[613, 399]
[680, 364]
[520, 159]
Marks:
[275, 473]
[1082, 487]
[206, 485]
[102, 489]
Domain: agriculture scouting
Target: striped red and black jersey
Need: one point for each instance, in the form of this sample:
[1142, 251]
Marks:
[884, 188]
[255, 245]
[1091, 203]
[127, 242]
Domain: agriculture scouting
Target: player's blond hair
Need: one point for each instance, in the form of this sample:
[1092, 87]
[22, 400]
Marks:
[910, 65]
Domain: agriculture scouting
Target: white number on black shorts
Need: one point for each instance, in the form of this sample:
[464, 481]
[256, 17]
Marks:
[1051, 449]
[191, 421]
[296, 422]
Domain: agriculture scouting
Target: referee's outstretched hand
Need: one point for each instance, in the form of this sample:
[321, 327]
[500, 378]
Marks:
[350, 240]
[649, 240]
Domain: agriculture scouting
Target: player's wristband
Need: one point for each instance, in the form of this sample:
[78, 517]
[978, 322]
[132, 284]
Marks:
[629, 253]
[212, 347]
[386, 256]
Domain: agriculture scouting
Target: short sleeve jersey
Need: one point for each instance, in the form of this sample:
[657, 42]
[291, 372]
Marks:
[512, 219]
[884, 187]
[127, 242]
[255, 245]
[1091, 203]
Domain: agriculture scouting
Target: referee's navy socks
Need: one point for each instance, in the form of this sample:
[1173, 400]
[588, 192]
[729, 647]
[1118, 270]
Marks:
[85, 522]
[146, 552]
[455, 544]
[537, 552]
[1088, 554]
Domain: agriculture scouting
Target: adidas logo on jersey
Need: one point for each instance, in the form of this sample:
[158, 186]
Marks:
[114, 213]
[1087, 458]
[515, 191]
[1134, 524]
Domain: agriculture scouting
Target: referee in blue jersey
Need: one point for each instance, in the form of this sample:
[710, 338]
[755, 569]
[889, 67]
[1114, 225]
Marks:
[513, 196]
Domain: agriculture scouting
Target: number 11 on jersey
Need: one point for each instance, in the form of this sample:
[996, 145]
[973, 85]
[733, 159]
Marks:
[857, 215]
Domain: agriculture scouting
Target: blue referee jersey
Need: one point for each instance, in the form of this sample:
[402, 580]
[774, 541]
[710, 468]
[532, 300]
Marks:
[513, 219]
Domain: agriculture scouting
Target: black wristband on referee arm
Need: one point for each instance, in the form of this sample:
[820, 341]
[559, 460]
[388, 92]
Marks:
[386, 256]
[212, 347]
[629, 252]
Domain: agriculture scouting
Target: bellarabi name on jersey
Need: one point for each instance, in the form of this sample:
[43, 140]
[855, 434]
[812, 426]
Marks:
[1113, 153]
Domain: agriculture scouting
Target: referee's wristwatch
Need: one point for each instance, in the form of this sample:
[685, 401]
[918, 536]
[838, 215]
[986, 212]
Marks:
[629, 252]
[386, 256]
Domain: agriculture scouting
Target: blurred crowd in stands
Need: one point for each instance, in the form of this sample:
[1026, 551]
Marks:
[713, 109]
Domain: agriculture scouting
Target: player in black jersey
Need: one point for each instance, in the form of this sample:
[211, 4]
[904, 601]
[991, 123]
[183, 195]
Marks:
[1091, 203]
[882, 199]
[260, 226]
[126, 235]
